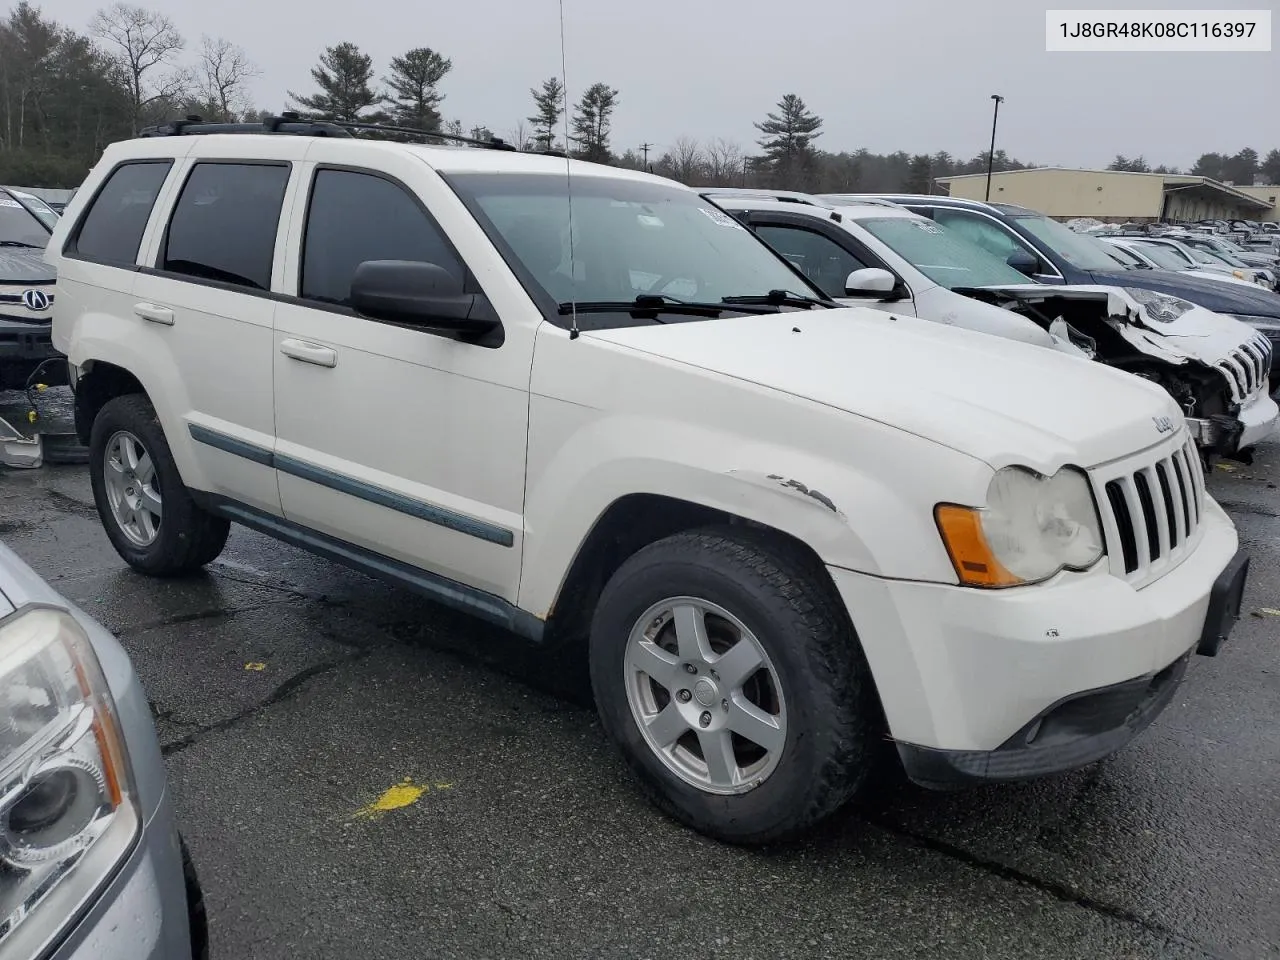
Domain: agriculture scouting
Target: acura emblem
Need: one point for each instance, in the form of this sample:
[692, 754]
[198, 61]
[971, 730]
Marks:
[35, 299]
[1163, 424]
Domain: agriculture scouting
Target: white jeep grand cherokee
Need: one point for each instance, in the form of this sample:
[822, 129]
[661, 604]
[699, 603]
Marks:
[585, 404]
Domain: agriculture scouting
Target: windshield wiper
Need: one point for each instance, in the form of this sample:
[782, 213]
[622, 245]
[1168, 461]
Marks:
[20, 243]
[645, 303]
[781, 298]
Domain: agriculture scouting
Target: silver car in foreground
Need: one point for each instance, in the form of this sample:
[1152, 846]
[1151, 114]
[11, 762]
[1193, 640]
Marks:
[91, 863]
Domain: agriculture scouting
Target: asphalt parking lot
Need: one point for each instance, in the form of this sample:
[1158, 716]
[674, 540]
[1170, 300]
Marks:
[293, 696]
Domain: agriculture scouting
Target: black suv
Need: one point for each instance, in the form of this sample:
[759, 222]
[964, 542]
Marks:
[1051, 252]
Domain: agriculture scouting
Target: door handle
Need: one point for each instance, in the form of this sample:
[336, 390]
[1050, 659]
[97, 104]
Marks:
[149, 311]
[309, 352]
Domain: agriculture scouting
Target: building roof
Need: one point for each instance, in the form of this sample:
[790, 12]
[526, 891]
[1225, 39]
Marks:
[1172, 181]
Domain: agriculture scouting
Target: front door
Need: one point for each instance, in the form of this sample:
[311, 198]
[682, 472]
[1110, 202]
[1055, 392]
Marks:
[400, 441]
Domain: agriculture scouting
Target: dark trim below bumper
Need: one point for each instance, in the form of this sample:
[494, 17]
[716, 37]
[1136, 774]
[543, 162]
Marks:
[1084, 727]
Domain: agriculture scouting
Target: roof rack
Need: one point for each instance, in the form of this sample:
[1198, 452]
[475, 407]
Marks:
[297, 125]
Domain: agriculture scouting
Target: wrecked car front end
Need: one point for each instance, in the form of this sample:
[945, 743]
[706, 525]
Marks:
[1216, 367]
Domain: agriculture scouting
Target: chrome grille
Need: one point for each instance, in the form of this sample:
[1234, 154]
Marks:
[1151, 511]
[1246, 368]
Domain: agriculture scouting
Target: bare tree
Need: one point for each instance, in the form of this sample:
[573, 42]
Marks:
[685, 160]
[225, 72]
[519, 135]
[141, 40]
[725, 163]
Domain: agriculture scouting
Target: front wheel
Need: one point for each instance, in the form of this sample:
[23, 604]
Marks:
[725, 668]
[145, 508]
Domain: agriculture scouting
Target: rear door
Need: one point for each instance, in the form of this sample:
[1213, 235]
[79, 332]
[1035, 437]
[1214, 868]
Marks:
[204, 297]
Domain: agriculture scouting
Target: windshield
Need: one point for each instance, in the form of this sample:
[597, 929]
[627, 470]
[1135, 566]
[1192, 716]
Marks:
[941, 254]
[1082, 252]
[1221, 253]
[46, 214]
[1126, 256]
[19, 226]
[1162, 256]
[629, 238]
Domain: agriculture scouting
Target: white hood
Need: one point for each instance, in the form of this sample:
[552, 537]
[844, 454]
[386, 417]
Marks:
[998, 400]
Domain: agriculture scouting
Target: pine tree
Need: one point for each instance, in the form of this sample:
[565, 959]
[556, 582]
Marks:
[343, 76]
[788, 141]
[592, 119]
[548, 105]
[412, 94]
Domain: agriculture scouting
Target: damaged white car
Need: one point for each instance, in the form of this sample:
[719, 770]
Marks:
[887, 257]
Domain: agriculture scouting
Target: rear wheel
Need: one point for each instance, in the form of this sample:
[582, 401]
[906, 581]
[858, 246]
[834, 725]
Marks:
[147, 512]
[725, 668]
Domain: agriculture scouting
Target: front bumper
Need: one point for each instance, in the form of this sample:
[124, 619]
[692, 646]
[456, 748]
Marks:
[967, 670]
[1085, 727]
[1226, 435]
[22, 347]
[142, 913]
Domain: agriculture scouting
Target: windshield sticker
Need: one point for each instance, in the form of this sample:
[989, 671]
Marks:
[721, 218]
[6, 202]
[928, 226]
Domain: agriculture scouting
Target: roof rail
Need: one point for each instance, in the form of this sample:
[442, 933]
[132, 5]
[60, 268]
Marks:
[293, 123]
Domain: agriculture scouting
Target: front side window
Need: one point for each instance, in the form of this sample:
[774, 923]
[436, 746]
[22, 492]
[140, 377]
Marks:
[224, 224]
[354, 217]
[997, 240]
[821, 259]
[19, 226]
[112, 228]
[629, 238]
[944, 256]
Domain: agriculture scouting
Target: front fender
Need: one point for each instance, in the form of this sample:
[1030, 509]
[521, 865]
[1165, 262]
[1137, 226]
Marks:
[871, 513]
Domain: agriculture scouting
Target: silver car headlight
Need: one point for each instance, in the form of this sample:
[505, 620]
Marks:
[68, 806]
[1159, 306]
[1032, 527]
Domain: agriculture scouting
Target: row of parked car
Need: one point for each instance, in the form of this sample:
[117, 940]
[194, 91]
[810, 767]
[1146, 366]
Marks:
[795, 476]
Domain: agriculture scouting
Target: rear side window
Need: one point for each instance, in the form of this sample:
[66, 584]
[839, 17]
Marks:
[111, 230]
[224, 224]
[354, 217]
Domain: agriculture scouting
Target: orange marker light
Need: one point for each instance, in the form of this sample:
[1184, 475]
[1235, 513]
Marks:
[976, 565]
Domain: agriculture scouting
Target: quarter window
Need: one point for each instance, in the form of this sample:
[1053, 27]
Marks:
[354, 217]
[111, 230]
[824, 262]
[224, 224]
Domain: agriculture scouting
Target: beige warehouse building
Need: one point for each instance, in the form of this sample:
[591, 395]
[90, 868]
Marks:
[1113, 196]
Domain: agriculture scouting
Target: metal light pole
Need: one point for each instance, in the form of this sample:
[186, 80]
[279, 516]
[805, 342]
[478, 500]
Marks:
[991, 155]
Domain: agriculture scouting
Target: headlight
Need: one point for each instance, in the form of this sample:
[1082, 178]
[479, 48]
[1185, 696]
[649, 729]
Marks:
[68, 807]
[1159, 306]
[1032, 527]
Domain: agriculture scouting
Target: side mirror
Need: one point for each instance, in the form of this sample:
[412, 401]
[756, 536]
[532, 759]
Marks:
[870, 282]
[420, 294]
[1023, 262]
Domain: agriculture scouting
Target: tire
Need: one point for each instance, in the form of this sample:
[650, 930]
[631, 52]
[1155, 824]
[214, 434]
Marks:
[825, 700]
[184, 537]
[197, 916]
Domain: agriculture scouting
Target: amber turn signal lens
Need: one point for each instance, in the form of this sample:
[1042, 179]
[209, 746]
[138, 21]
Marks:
[976, 565]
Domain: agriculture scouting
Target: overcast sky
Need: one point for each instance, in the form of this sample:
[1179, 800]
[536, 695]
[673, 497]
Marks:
[912, 75]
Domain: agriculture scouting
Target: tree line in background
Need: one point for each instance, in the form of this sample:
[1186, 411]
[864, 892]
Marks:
[65, 95]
